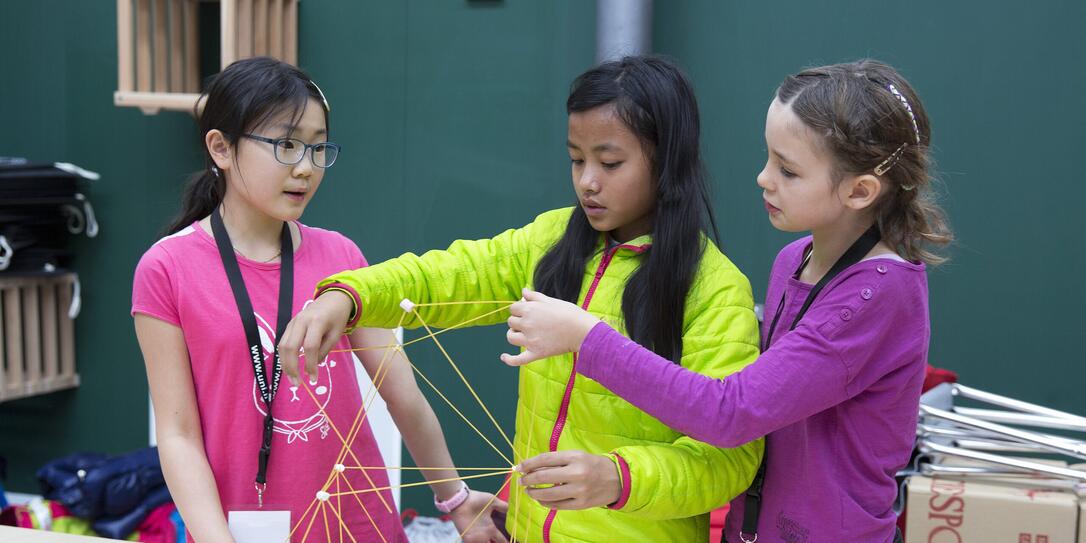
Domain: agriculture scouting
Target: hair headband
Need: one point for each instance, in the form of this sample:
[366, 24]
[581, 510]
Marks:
[893, 158]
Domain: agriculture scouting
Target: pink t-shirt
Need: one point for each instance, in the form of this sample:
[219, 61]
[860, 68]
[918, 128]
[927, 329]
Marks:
[181, 280]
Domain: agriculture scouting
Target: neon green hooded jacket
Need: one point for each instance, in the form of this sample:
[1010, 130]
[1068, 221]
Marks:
[672, 481]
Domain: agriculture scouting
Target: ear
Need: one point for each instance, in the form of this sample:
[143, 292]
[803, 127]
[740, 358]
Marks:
[219, 148]
[861, 192]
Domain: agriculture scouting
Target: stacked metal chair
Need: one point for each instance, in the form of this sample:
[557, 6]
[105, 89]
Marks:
[996, 437]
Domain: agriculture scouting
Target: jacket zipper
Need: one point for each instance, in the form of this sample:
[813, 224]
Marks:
[563, 410]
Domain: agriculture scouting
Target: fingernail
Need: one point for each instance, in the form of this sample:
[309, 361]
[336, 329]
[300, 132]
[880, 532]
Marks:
[312, 379]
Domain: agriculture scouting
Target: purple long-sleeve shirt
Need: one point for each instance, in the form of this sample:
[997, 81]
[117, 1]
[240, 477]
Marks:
[836, 398]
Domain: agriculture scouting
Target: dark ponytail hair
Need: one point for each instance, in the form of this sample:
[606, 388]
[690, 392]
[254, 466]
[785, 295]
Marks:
[240, 99]
[656, 102]
[868, 128]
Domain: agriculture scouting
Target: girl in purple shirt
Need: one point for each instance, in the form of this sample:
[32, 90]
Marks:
[845, 338]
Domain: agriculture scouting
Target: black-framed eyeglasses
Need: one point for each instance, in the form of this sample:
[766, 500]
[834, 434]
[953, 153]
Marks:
[291, 151]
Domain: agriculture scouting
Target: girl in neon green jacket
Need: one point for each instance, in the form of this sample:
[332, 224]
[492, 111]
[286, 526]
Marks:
[636, 253]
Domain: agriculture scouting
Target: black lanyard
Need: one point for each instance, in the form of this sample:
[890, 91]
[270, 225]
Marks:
[252, 332]
[752, 507]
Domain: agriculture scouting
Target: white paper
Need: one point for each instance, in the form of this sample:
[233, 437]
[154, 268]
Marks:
[259, 526]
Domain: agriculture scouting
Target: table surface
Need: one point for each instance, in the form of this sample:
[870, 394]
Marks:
[9, 534]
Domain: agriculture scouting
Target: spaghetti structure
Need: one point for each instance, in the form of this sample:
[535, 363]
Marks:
[325, 510]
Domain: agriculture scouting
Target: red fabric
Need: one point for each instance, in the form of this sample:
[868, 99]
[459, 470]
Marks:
[716, 523]
[57, 509]
[157, 527]
[23, 518]
[504, 494]
[8, 516]
[625, 485]
[20, 516]
[933, 377]
[937, 376]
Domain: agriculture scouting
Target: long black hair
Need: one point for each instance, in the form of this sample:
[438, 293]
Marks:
[656, 102]
[241, 98]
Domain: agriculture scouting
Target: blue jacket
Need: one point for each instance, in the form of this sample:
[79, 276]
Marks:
[116, 493]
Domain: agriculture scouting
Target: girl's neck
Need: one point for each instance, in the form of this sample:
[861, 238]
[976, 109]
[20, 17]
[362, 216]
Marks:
[252, 233]
[827, 246]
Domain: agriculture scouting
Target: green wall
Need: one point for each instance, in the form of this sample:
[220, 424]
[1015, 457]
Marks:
[425, 96]
[56, 101]
[1002, 84]
[451, 116]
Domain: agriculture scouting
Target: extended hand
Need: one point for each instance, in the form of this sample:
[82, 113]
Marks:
[313, 332]
[545, 326]
[484, 530]
[581, 480]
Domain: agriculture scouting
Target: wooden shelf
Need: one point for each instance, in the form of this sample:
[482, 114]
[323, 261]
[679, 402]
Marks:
[37, 335]
[158, 46]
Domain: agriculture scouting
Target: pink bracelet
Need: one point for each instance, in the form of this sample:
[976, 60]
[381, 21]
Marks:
[452, 503]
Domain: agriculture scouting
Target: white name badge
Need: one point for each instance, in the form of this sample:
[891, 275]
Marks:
[259, 526]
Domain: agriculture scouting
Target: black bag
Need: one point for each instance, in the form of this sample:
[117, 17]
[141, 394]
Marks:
[40, 209]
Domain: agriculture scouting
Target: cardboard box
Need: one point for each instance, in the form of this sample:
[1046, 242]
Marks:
[1081, 507]
[1081, 520]
[962, 510]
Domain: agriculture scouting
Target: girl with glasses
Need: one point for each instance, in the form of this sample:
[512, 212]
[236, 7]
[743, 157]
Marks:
[210, 301]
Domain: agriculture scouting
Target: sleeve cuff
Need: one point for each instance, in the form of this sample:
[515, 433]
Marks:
[624, 481]
[356, 302]
[592, 349]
